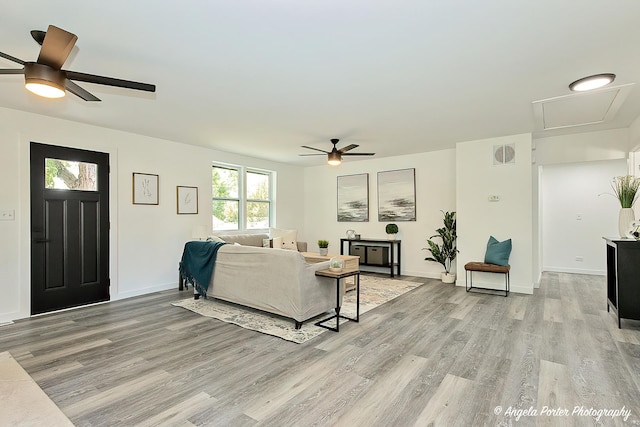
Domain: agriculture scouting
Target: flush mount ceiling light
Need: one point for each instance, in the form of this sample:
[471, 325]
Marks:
[592, 82]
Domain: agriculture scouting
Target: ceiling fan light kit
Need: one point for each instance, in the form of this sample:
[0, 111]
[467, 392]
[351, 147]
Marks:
[334, 159]
[592, 82]
[46, 78]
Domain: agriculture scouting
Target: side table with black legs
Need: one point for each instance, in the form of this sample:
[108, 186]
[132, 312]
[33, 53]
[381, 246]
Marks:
[341, 275]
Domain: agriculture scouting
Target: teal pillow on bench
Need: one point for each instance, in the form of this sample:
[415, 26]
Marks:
[497, 252]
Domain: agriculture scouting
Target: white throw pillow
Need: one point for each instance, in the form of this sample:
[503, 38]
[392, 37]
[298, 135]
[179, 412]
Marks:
[214, 239]
[289, 238]
[277, 242]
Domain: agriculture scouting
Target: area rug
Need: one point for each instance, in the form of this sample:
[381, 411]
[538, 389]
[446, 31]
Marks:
[374, 291]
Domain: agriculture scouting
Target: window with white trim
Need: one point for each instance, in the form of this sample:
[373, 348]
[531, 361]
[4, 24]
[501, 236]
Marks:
[241, 198]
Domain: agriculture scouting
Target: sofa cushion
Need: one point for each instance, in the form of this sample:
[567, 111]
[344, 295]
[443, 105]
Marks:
[244, 239]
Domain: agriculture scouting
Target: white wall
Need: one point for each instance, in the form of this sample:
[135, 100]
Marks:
[634, 136]
[435, 191]
[578, 210]
[582, 147]
[146, 241]
[571, 149]
[510, 218]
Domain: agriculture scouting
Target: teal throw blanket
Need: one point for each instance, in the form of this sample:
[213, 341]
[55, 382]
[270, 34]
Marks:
[198, 261]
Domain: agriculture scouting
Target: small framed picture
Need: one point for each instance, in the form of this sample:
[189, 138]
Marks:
[145, 189]
[187, 198]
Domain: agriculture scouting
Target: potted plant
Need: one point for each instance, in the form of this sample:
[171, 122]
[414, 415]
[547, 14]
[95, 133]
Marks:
[391, 230]
[323, 245]
[625, 189]
[445, 252]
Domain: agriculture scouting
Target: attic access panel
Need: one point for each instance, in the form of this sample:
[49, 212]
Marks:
[579, 109]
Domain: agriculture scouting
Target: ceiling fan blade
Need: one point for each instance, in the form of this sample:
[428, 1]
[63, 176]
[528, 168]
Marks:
[311, 154]
[56, 47]
[358, 154]
[11, 58]
[12, 71]
[110, 81]
[348, 147]
[317, 149]
[79, 92]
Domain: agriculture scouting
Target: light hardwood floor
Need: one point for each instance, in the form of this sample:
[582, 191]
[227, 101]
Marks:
[435, 356]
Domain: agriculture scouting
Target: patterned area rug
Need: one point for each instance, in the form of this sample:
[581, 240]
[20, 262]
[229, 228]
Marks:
[374, 291]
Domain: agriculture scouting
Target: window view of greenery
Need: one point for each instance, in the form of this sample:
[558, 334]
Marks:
[258, 200]
[70, 175]
[226, 202]
[234, 211]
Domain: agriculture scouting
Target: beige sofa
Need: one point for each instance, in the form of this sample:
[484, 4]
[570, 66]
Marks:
[274, 280]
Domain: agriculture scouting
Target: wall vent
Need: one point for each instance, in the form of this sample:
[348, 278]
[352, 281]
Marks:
[504, 154]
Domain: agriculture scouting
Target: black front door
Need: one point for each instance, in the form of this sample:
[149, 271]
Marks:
[69, 227]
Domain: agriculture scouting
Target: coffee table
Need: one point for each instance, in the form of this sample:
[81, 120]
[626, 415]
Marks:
[338, 276]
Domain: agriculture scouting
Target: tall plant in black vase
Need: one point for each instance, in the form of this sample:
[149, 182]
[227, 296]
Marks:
[445, 252]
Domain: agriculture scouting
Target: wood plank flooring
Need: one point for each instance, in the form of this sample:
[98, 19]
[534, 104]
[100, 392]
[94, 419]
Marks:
[435, 356]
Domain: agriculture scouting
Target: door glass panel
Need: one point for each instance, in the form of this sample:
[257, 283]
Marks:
[70, 175]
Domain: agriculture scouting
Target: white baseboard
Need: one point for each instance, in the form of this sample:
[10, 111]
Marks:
[144, 291]
[576, 271]
[8, 318]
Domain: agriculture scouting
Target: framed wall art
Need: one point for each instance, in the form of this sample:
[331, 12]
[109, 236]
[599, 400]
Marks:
[397, 195]
[353, 198]
[187, 200]
[145, 189]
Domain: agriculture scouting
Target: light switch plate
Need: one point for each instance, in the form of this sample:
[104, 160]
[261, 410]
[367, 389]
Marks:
[7, 215]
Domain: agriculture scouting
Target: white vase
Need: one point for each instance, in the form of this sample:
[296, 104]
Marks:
[625, 218]
[324, 251]
[391, 236]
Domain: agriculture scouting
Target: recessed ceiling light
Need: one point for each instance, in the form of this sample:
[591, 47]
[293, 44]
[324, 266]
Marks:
[592, 82]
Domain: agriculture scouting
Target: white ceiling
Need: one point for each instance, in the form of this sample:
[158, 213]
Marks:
[262, 77]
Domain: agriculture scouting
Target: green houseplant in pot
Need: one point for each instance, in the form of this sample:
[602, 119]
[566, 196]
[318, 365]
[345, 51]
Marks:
[625, 189]
[444, 252]
[323, 246]
[391, 230]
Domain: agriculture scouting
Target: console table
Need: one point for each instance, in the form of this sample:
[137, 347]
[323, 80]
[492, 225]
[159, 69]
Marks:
[623, 280]
[392, 244]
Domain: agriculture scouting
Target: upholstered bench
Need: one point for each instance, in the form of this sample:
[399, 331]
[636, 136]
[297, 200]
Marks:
[470, 267]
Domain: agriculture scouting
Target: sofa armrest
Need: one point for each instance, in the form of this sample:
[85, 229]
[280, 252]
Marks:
[302, 246]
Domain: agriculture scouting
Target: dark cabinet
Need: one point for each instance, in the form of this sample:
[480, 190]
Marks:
[623, 278]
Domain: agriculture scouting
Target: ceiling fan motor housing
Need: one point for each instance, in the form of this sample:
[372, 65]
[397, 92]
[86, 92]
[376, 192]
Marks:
[35, 73]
